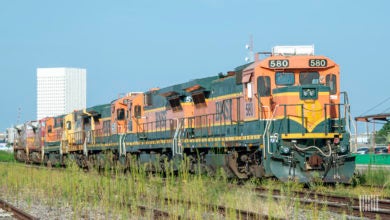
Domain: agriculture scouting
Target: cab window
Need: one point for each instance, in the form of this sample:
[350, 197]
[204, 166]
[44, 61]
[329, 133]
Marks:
[68, 125]
[58, 123]
[137, 111]
[120, 114]
[309, 78]
[332, 83]
[148, 99]
[106, 126]
[284, 78]
[264, 86]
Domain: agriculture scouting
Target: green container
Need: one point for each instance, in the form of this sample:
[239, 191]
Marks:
[373, 159]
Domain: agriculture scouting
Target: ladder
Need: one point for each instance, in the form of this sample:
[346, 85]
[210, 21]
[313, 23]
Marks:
[177, 148]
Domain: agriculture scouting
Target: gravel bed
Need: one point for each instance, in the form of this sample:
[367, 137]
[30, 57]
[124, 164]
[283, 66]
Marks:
[43, 211]
[5, 215]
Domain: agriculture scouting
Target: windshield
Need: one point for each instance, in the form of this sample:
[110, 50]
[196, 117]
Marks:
[284, 78]
[309, 78]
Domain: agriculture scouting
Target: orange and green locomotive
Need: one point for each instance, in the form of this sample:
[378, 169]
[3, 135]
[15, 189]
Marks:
[281, 116]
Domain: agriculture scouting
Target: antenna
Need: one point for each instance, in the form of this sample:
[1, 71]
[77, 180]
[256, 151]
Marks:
[121, 95]
[18, 116]
[250, 56]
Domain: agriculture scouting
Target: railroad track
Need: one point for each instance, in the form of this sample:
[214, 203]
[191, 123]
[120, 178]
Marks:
[16, 212]
[337, 204]
[369, 207]
[223, 210]
[212, 208]
[157, 213]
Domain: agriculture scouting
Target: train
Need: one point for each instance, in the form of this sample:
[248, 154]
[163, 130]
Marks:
[282, 115]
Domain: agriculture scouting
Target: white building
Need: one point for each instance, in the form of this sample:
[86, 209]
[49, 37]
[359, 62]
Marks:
[60, 91]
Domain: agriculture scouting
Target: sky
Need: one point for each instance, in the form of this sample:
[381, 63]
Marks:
[128, 45]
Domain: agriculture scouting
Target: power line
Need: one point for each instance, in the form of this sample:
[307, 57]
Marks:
[388, 98]
[386, 110]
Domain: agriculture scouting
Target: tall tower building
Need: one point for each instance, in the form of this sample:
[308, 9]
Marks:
[60, 91]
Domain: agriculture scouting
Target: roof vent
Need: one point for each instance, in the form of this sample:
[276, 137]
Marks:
[293, 50]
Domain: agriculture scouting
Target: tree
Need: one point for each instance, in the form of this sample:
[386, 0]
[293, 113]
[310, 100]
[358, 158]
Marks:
[383, 135]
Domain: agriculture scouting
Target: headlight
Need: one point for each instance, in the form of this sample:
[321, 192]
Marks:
[309, 93]
[285, 150]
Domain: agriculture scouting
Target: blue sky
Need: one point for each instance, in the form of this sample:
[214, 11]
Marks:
[136, 45]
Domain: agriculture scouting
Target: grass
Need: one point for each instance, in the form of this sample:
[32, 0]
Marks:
[371, 182]
[376, 177]
[116, 196]
[112, 195]
[6, 156]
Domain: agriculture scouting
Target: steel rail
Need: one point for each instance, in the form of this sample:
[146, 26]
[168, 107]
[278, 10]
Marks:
[17, 213]
[338, 204]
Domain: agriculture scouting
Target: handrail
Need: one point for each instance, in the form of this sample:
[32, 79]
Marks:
[350, 118]
[199, 122]
[266, 131]
[326, 115]
[341, 118]
[347, 115]
[268, 108]
[302, 115]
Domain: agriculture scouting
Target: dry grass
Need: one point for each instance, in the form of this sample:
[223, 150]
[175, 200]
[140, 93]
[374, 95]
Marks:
[114, 195]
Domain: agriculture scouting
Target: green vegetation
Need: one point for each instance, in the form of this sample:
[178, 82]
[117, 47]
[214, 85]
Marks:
[370, 182]
[376, 177]
[113, 195]
[383, 135]
[6, 156]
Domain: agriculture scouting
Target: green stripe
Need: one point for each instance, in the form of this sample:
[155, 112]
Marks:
[298, 88]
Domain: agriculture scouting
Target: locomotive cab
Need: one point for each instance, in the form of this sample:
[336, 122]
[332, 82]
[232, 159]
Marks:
[306, 132]
[122, 113]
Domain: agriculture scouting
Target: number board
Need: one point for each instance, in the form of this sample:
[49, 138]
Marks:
[278, 63]
[318, 63]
